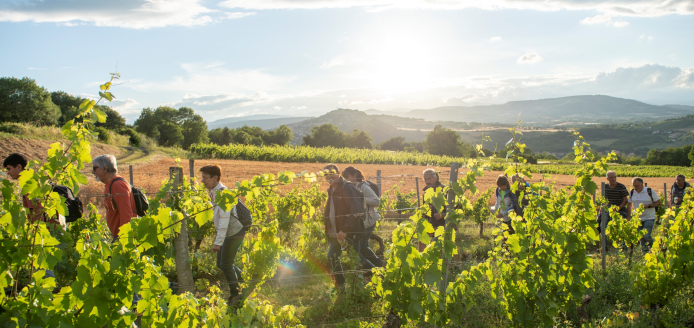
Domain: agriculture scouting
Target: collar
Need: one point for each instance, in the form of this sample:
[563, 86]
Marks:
[219, 186]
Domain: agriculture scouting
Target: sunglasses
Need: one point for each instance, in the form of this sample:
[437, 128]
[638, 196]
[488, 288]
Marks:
[94, 168]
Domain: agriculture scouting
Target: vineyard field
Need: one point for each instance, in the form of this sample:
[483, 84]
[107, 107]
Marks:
[304, 154]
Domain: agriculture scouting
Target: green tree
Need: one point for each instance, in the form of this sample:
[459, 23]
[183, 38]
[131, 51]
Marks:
[394, 143]
[282, 135]
[243, 138]
[192, 127]
[194, 131]
[672, 156]
[443, 141]
[326, 135]
[359, 139]
[23, 101]
[171, 134]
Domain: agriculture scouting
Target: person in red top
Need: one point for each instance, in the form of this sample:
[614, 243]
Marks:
[118, 201]
[15, 164]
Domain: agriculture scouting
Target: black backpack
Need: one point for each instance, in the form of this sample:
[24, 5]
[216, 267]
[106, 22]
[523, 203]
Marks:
[650, 194]
[74, 204]
[373, 187]
[244, 215]
[141, 201]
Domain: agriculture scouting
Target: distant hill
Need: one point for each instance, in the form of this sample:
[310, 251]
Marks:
[264, 121]
[574, 109]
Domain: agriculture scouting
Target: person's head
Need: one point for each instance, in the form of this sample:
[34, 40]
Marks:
[210, 176]
[332, 174]
[502, 182]
[14, 164]
[431, 177]
[612, 178]
[104, 167]
[680, 180]
[352, 174]
[637, 183]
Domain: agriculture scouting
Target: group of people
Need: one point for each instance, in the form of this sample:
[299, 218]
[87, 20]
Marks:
[350, 214]
[616, 194]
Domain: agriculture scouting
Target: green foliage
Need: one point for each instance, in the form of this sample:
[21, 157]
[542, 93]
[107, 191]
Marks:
[133, 137]
[326, 135]
[672, 156]
[23, 101]
[394, 143]
[103, 134]
[260, 314]
[13, 128]
[409, 284]
[360, 140]
[172, 127]
[247, 135]
[69, 108]
[667, 269]
[624, 232]
[443, 141]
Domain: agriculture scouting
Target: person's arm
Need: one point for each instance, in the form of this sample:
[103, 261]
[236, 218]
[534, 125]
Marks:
[629, 206]
[370, 197]
[625, 200]
[222, 227]
[656, 199]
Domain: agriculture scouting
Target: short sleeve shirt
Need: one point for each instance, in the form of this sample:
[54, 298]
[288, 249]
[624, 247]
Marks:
[642, 198]
[616, 195]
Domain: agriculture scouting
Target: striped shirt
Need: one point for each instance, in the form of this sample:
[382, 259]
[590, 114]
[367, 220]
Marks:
[615, 196]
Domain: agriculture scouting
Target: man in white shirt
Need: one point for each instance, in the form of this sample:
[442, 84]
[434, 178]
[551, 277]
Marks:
[645, 196]
[230, 233]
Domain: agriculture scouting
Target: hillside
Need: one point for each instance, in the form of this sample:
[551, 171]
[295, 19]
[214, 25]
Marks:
[553, 111]
[266, 122]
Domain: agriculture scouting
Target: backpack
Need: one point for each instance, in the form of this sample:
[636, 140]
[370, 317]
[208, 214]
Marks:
[244, 215]
[373, 187]
[74, 204]
[141, 201]
[650, 194]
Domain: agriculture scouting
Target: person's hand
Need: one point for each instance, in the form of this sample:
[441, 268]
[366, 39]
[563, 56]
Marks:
[216, 248]
[438, 216]
[628, 217]
[341, 237]
[499, 215]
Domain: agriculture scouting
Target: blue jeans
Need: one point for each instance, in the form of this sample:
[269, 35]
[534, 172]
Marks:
[647, 240]
[225, 260]
[334, 253]
[367, 255]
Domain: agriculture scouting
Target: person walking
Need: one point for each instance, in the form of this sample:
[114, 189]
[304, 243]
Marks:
[436, 219]
[230, 233]
[506, 201]
[678, 189]
[119, 200]
[650, 200]
[369, 206]
[616, 194]
[343, 223]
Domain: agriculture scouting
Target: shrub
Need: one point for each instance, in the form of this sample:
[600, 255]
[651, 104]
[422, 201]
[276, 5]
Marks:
[11, 128]
[103, 134]
[134, 137]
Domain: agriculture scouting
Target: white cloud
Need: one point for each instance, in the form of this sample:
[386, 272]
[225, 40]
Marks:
[36, 69]
[337, 61]
[530, 58]
[125, 106]
[137, 14]
[603, 19]
[213, 78]
[495, 39]
[238, 15]
[646, 8]
[646, 37]
[599, 19]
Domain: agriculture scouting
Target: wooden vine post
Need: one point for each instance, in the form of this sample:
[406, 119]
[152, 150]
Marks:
[449, 209]
[184, 272]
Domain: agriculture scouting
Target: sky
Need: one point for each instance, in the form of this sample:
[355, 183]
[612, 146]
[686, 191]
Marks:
[307, 57]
